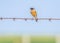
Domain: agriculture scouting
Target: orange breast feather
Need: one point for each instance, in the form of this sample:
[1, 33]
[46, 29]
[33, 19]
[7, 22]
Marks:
[33, 13]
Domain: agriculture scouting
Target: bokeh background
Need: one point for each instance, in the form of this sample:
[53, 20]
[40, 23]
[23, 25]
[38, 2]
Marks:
[21, 9]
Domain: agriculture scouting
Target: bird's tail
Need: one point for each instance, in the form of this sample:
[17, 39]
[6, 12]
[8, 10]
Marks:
[36, 19]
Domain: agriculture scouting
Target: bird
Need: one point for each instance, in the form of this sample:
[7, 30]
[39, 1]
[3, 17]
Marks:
[33, 13]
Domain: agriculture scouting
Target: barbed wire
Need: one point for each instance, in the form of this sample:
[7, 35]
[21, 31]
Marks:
[1, 18]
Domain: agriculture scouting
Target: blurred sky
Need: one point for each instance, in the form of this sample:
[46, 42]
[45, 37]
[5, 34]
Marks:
[21, 8]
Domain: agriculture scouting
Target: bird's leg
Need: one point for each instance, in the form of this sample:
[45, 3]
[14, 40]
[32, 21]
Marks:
[36, 19]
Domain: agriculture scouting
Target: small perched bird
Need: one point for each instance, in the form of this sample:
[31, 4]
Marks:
[33, 13]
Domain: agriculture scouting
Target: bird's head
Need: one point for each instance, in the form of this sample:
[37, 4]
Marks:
[31, 8]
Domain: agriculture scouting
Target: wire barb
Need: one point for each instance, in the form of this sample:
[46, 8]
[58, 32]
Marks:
[13, 19]
[25, 19]
[1, 18]
[50, 19]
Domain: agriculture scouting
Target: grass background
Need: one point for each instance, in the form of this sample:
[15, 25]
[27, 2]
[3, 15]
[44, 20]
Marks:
[34, 39]
[10, 39]
[42, 39]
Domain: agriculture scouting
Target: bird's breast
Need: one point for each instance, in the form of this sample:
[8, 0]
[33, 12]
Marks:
[33, 13]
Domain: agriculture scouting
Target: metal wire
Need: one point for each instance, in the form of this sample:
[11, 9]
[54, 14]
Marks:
[29, 19]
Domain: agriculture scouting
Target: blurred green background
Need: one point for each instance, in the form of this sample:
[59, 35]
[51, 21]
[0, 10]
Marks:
[42, 39]
[33, 39]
